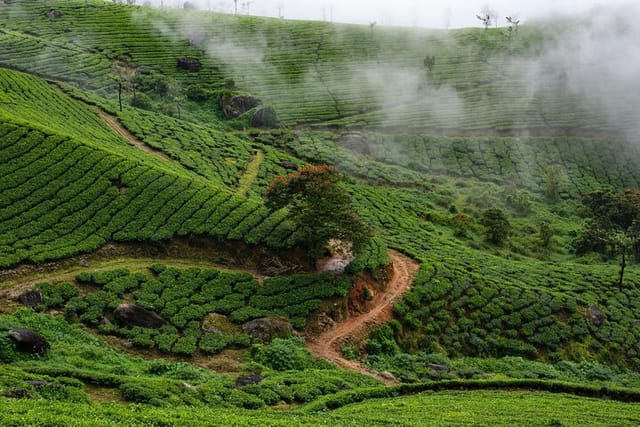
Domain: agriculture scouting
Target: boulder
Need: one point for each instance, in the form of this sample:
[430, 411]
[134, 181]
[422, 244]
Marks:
[235, 105]
[288, 164]
[28, 341]
[189, 64]
[268, 328]
[438, 368]
[356, 142]
[596, 315]
[248, 380]
[39, 383]
[388, 376]
[264, 117]
[18, 393]
[136, 315]
[30, 298]
[219, 324]
[54, 14]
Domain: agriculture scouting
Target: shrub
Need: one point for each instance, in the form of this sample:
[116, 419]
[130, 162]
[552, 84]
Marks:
[196, 93]
[213, 342]
[142, 393]
[56, 295]
[140, 100]
[283, 354]
[496, 225]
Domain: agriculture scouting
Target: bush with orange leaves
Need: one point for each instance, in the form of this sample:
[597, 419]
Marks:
[321, 208]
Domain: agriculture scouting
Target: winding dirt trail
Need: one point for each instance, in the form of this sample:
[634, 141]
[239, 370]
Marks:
[117, 128]
[327, 344]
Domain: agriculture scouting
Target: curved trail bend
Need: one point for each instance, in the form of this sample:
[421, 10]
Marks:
[327, 344]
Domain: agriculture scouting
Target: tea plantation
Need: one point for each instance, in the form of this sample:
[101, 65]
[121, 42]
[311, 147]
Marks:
[151, 135]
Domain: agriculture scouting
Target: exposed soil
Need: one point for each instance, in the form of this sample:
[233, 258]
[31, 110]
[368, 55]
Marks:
[380, 310]
[115, 126]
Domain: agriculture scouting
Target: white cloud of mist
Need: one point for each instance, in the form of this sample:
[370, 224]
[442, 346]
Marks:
[428, 14]
[595, 60]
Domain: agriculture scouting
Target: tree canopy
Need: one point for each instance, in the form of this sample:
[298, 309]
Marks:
[613, 224]
[320, 206]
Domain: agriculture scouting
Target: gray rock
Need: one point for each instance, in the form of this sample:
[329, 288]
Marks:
[39, 383]
[189, 64]
[596, 315]
[28, 341]
[268, 328]
[235, 105]
[136, 315]
[388, 376]
[438, 368]
[18, 393]
[54, 14]
[248, 380]
[30, 298]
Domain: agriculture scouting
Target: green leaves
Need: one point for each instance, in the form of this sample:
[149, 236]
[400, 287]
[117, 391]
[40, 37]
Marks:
[320, 207]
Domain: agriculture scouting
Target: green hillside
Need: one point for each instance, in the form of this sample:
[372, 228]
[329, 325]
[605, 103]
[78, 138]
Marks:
[136, 149]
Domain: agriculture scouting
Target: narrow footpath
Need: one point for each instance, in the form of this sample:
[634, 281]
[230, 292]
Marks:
[327, 345]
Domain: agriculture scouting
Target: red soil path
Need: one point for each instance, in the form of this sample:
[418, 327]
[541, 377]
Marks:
[327, 345]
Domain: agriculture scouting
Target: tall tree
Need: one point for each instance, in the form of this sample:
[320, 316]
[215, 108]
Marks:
[613, 225]
[321, 208]
[496, 225]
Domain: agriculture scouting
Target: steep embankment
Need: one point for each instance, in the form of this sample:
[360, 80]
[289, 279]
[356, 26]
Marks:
[327, 344]
[70, 185]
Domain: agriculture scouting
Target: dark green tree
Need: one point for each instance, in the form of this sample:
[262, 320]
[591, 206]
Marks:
[496, 225]
[613, 225]
[545, 235]
[321, 208]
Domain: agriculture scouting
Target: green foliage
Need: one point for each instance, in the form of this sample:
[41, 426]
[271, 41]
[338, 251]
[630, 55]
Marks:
[320, 207]
[56, 295]
[140, 100]
[283, 354]
[496, 225]
[184, 297]
[462, 224]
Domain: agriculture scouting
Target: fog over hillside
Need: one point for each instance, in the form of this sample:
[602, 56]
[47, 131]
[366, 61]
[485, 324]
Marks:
[592, 57]
[431, 14]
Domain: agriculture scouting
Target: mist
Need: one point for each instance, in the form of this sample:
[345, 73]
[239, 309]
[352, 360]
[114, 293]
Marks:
[588, 62]
[597, 60]
[408, 13]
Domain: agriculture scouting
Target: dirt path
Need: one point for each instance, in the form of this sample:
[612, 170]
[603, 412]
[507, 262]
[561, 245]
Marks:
[250, 175]
[10, 290]
[116, 127]
[327, 344]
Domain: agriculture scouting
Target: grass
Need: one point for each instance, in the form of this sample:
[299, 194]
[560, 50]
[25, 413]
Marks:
[496, 408]
[253, 169]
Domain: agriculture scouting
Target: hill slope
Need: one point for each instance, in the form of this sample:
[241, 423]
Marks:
[427, 147]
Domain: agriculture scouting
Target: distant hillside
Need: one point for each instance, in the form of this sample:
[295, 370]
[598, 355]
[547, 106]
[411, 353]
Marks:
[351, 75]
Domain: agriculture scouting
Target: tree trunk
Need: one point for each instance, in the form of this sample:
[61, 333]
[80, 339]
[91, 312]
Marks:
[120, 95]
[623, 264]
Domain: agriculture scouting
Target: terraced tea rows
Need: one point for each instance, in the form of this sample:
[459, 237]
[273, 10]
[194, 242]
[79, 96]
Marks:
[310, 72]
[75, 198]
[185, 297]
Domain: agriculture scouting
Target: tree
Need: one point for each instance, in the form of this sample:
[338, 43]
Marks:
[514, 22]
[555, 182]
[545, 235]
[486, 20]
[429, 62]
[462, 224]
[321, 208]
[496, 225]
[613, 225]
